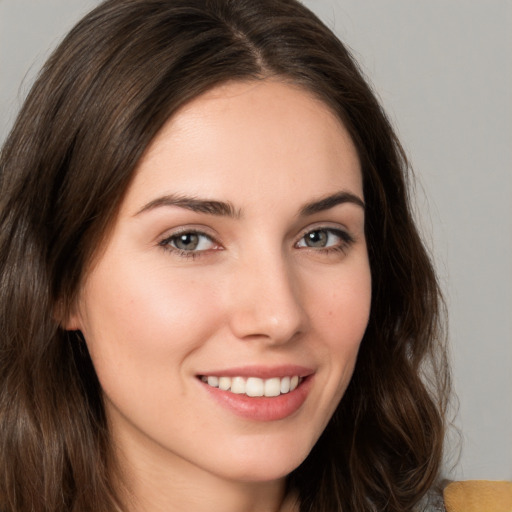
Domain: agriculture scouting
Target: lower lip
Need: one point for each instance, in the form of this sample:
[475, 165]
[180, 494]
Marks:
[262, 408]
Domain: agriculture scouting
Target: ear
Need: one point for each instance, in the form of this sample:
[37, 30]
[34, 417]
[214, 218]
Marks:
[72, 323]
[66, 316]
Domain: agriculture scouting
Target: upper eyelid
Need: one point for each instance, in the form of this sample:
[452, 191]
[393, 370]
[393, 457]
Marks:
[176, 234]
[347, 238]
[326, 226]
[199, 230]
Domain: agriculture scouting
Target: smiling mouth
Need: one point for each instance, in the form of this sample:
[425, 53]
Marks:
[253, 386]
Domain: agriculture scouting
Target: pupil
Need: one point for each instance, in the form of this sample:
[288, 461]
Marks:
[187, 241]
[316, 239]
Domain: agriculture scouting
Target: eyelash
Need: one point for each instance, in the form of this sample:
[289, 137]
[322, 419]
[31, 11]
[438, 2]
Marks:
[346, 240]
[189, 254]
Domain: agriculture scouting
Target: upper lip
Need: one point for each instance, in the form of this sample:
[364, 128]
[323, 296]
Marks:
[263, 372]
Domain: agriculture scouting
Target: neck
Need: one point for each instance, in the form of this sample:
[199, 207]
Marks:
[170, 492]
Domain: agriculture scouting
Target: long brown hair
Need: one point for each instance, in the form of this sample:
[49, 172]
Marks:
[99, 101]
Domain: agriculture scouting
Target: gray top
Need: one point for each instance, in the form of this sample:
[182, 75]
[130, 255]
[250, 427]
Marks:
[433, 502]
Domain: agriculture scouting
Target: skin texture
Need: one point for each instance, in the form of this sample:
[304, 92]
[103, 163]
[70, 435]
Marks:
[252, 293]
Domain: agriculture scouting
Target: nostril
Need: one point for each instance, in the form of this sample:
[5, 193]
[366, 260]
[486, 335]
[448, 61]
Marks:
[268, 321]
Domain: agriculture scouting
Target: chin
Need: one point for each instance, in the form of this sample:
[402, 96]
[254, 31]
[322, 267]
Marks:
[263, 465]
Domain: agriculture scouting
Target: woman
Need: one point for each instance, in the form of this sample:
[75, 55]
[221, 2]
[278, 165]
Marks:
[213, 294]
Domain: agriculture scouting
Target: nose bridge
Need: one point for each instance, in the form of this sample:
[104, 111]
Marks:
[266, 298]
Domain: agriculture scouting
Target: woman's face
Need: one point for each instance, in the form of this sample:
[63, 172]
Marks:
[237, 266]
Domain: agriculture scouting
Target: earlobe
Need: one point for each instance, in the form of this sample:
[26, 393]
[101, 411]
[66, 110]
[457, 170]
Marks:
[72, 323]
[67, 317]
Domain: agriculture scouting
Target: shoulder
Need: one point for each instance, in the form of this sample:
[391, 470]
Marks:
[478, 495]
[469, 496]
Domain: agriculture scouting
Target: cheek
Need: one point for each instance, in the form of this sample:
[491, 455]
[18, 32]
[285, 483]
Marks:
[343, 310]
[340, 317]
[140, 324]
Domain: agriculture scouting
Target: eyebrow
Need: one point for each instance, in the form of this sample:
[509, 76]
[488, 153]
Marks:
[226, 209]
[331, 201]
[210, 207]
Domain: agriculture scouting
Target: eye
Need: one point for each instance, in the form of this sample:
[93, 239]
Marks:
[325, 238]
[189, 241]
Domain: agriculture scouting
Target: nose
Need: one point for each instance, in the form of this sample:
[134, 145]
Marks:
[266, 301]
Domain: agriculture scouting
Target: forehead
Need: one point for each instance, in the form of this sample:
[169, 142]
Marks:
[245, 134]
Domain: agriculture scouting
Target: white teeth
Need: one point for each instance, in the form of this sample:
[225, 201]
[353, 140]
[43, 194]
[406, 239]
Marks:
[213, 381]
[237, 385]
[285, 384]
[224, 383]
[254, 386]
[273, 387]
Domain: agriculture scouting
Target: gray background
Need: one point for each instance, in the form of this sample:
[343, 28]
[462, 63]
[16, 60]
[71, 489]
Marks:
[443, 70]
